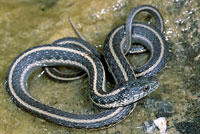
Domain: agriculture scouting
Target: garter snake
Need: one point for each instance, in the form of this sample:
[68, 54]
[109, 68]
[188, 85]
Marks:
[72, 53]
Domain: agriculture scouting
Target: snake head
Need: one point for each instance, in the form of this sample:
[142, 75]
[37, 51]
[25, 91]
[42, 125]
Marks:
[139, 88]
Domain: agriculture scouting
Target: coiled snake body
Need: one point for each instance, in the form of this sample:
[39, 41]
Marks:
[72, 52]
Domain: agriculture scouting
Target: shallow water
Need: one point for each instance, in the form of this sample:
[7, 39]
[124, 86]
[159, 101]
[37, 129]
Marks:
[28, 23]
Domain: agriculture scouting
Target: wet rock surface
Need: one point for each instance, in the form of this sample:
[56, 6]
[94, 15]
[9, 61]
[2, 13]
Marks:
[28, 23]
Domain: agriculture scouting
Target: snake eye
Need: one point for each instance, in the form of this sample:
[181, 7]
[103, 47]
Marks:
[147, 88]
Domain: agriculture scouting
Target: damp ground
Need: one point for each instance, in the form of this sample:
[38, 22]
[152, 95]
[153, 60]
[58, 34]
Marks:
[28, 23]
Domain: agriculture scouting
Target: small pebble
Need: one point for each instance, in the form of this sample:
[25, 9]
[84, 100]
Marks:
[161, 123]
